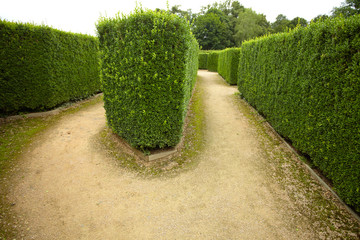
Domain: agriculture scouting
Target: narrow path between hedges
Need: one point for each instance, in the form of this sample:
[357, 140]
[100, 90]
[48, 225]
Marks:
[67, 189]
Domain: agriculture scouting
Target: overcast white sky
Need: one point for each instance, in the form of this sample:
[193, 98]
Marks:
[81, 15]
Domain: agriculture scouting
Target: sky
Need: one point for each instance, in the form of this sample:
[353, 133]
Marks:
[80, 16]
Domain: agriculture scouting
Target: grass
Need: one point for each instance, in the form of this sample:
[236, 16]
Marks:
[15, 138]
[15, 135]
[185, 160]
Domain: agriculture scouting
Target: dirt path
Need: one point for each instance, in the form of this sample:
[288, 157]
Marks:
[70, 190]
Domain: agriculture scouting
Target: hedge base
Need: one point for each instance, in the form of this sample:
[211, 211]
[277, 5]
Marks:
[155, 155]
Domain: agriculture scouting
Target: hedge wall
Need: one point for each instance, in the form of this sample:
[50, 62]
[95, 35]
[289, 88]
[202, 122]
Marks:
[228, 64]
[41, 67]
[149, 66]
[203, 56]
[307, 84]
[212, 61]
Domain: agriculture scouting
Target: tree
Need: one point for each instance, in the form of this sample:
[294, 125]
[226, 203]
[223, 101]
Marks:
[231, 8]
[228, 7]
[320, 17]
[250, 24]
[347, 8]
[281, 24]
[236, 8]
[211, 32]
[188, 15]
[297, 22]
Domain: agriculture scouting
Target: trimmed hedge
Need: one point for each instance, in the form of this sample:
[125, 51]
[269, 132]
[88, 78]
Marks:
[149, 67]
[228, 64]
[203, 56]
[41, 67]
[212, 61]
[307, 84]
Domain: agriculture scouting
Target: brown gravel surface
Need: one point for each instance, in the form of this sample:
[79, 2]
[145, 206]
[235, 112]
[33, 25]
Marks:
[245, 186]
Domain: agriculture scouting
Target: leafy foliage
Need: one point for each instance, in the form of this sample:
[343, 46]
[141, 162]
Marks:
[149, 66]
[307, 84]
[227, 24]
[228, 64]
[188, 15]
[213, 61]
[212, 30]
[203, 56]
[282, 24]
[41, 67]
[298, 21]
[347, 9]
[320, 18]
[250, 25]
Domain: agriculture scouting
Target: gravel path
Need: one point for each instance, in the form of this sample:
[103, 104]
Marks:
[67, 189]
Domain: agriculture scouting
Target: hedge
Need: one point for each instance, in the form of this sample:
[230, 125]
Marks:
[149, 65]
[307, 84]
[228, 64]
[212, 61]
[41, 67]
[203, 56]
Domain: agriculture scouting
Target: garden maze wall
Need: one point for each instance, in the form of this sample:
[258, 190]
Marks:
[306, 82]
[228, 64]
[203, 58]
[149, 64]
[213, 61]
[41, 67]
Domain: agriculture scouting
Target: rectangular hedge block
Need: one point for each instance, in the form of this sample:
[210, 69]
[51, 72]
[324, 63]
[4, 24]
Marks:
[149, 65]
[228, 64]
[222, 64]
[212, 61]
[203, 56]
[41, 67]
[307, 84]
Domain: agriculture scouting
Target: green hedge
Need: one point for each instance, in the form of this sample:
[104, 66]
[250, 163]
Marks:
[222, 63]
[228, 64]
[41, 67]
[212, 61]
[307, 84]
[203, 56]
[149, 67]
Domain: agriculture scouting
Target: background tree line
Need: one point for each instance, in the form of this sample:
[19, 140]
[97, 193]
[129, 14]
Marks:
[228, 24]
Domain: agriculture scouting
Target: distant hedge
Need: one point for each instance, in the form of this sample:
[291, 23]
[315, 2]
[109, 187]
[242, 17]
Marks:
[228, 64]
[203, 56]
[307, 84]
[212, 61]
[149, 66]
[41, 67]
